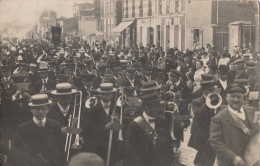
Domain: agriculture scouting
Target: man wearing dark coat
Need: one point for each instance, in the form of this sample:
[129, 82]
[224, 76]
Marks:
[39, 138]
[149, 141]
[99, 124]
[199, 139]
[222, 81]
[44, 84]
[63, 108]
[231, 129]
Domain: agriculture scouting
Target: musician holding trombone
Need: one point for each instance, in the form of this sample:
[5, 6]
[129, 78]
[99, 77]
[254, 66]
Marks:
[100, 123]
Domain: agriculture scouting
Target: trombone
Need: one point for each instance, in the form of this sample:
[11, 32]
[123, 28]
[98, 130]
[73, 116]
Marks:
[71, 129]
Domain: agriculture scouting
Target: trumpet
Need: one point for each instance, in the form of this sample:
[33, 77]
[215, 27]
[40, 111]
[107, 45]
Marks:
[71, 129]
[213, 101]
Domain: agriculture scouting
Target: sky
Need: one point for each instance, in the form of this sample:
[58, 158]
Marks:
[27, 12]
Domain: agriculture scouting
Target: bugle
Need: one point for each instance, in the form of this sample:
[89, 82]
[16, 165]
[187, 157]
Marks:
[71, 129]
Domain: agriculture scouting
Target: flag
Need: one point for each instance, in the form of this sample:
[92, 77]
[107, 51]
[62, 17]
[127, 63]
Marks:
[56, 35]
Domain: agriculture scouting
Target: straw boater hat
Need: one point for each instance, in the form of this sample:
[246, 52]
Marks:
[106, 88]
[63, 89]
[43, 67]
[39, 100]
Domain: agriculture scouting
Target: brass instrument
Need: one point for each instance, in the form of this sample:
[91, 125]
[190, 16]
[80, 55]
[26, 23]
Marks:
[91, 102]
[120, 102]
[111, 135]
[213, 101]
[71, 129]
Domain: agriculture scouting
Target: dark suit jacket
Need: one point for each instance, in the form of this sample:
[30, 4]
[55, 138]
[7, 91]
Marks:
[55, 114]
[227, 138]
[40, 143]
[140, 151]
[51, 85]
[96, 137]
[223, 92]
[200, 128]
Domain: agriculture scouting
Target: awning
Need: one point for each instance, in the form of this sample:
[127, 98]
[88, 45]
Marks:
[122, 26]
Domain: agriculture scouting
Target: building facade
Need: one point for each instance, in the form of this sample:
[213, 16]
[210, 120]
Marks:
[46, 21]
[85, 14]
[154, 22]
[223, 23]
[111, 18]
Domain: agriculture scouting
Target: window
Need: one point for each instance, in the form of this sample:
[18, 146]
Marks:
[160, 6]
[197, 36]
[149, 8]
[133, 8]
[141, 9]
[126, 7]
[141, 36]
[177, 5]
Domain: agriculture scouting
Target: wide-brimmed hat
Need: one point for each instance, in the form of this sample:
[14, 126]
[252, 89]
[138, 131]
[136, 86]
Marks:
[106, 88]
[63, 89]
[150, 86]
[39, 100]
[43, 67]
[174, 72]
[207, 81]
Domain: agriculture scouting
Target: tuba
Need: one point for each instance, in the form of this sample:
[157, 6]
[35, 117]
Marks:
[213, 101]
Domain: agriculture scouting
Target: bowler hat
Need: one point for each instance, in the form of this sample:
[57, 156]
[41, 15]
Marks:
[63, 89]
[106, 88]
[39, 100]
[207, 81]
[150, 86]
[174, 72]
[239, 61]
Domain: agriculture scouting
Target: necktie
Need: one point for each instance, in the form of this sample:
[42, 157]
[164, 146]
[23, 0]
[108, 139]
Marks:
[44, 84]
[151, 120]
[40, 124]
[106, 106]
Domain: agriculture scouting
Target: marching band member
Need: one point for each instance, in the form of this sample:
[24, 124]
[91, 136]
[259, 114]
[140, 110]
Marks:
[199, 139]
[63, 108]
[39, 138]
[231, 128]
[99, 124]
[148, 141]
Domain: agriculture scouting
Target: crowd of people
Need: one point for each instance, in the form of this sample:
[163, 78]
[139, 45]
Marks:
[94, 103]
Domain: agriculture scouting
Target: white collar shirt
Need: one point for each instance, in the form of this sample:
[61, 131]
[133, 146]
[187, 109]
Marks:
[106, 107]
[63, 110]
[223, 84]
[240, 114]
[147, 118]
[43, 83]
[40, 123]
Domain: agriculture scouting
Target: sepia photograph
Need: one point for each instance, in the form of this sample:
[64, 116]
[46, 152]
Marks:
[129, 83]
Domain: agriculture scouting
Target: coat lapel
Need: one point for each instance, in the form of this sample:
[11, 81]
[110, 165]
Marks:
[231, 120]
